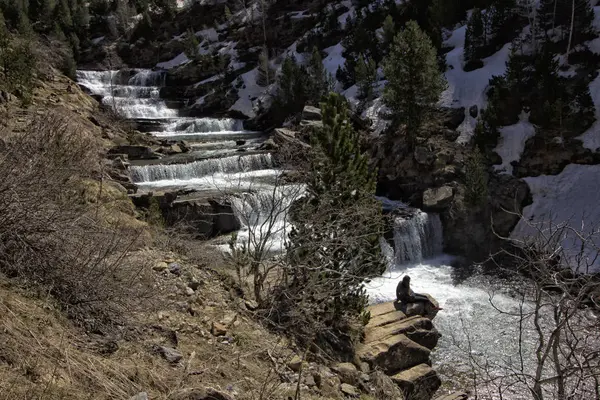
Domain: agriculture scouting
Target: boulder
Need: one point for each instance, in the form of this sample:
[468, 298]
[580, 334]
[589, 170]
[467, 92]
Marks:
[474, 111]
[418, 383]
[286, 137]
[135, 152]
[454, 396]
[454, 117]
[170, 354]
[347, 373]
[451, 135]
[437, 199]
[295, 363]
[393, 353]
[349, 390]
[310, 113]
[218, 329]
[205, 218]
[424, 156]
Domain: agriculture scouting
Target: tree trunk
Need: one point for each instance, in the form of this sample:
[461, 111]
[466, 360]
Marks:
[571, 30]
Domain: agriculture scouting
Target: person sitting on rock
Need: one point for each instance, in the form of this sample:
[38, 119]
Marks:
[405, 295]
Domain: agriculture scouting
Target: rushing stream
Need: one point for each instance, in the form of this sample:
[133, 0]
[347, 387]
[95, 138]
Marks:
[470, 325]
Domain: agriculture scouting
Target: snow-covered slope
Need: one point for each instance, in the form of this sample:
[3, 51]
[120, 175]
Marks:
[466, 89]
[512, 142]
[571, 197]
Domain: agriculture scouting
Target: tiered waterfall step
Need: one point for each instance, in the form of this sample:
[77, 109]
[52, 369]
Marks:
[400, 346]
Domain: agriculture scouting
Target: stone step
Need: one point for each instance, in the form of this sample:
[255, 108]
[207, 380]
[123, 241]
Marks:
[402, 326]
[393, 353]
[418, 383]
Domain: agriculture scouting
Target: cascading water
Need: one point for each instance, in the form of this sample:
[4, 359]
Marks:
[417, 237]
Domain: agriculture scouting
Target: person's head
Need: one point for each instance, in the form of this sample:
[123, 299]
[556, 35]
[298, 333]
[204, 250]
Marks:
[406, 280]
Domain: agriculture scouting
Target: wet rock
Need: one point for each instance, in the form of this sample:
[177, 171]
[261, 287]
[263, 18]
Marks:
[451, 135]
[347, 373]
[418, 383]
[310, 113]
[437, 199]
[170, 354]
[349, 390]
[240, 142]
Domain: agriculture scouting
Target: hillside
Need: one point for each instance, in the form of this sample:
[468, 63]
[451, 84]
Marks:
[190, 212]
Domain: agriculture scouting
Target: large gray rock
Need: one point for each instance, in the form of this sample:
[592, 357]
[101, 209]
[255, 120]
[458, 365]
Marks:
[347, 372]
[437, 199]
[310, 113]
[454, 117]
[135, 152]
[424, 156]
[205, 218]
[418, 383]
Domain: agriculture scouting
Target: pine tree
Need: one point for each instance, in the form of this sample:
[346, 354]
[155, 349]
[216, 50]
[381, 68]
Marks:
[191, 45]
[389, 31]
[366, 76]
[334, 245]
[414, 80]
[320, 82]
[228, 14]
[476, 180]
[291, 83]
[502, 15]
[475, 37]
[265, 72]
[556, 14]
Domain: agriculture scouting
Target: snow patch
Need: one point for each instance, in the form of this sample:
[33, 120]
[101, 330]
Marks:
[334, 59]
[466, 89]
[570, 197]
[248, 93]
[512, 142]
[178, 60]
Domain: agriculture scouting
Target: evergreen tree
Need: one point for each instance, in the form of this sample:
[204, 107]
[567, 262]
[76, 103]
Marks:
[191, 45]
[291, 94]
[502, 19]
[228, 14]
[389, 31]
[366, 76]
[320, 82]
[556, 14]
[414, 80]
[475, 36]
[476, 180]
[334, 245]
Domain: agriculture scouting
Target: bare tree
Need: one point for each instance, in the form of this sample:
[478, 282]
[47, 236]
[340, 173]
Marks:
[556, 324]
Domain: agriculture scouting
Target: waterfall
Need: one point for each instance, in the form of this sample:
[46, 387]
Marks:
[264, 215]
[146, 77]
[233, 164]
[417, 236]
[206, 125]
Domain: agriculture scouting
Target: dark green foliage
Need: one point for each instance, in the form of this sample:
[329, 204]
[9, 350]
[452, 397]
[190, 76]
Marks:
[17, 67]
[359, 40]
[320, 82]
[69, 66]
[475, 37]
[389, 31]
[334, 245]
[503, 22]
[191, 44]
[476, 180]
[366, 76]
[556, 14]
[414, 80]
[292, 89]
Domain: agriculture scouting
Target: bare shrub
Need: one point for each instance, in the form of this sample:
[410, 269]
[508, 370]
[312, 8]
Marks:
[51, 236]
[556, 324]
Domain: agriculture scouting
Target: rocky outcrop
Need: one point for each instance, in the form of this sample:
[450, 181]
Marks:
[204, 218]
[437, 199]
[418, 383]
[396, 344]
